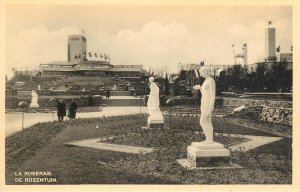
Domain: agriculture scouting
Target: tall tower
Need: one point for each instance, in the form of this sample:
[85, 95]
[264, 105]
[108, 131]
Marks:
[270, 52]
[76, 48]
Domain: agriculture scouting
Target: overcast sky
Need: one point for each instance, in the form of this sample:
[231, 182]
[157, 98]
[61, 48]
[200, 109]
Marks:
[157, 36]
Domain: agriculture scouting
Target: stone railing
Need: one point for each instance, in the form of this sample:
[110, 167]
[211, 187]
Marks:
[277, 115]
[236, 102]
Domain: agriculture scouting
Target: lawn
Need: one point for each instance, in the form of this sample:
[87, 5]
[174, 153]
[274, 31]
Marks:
[42, 148]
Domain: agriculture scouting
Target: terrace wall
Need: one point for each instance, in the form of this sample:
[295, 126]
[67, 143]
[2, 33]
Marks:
[277, 115]
[236, 102]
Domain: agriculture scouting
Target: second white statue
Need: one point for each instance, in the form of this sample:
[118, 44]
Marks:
[155, 116]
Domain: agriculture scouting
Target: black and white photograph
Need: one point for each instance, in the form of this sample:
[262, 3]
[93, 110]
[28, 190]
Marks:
[167, 94]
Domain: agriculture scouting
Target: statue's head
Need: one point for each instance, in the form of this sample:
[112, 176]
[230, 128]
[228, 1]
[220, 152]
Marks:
[151, 79]
[205, 72]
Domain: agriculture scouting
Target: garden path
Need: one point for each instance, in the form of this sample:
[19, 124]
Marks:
[13, 121]
[253, 142]
[96, 144]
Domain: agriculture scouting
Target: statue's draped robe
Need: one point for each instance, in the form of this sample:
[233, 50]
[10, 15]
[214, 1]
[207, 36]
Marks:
[153, 101]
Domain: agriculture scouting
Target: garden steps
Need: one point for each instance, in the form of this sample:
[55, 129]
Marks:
[123, 101]
[119, 93]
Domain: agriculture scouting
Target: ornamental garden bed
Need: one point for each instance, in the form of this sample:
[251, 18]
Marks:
[42, 148]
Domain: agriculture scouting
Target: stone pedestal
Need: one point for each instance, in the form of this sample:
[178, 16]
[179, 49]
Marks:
[34, 105]
[155, 122]
[202, 154]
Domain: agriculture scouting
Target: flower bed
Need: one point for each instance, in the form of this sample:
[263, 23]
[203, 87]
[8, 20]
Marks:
[159, 138]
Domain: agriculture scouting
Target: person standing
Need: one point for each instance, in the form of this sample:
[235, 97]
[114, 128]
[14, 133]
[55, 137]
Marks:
[107, 93]
[72, 109]
[61, 110]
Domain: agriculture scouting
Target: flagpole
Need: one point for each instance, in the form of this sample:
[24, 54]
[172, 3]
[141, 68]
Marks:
[234, 54]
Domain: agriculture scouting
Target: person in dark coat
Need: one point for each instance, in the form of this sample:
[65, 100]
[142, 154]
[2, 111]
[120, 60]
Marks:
[72, 109]
[61, 110]
[107, 93]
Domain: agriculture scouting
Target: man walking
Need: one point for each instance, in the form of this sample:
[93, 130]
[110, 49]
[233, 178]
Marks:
[107, 93]
[72, 109]
[61, 110]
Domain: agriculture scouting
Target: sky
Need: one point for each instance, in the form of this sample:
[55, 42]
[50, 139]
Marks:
[157, 36]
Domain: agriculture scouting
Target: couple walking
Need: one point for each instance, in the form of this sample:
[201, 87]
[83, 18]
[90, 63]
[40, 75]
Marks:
[61, 110]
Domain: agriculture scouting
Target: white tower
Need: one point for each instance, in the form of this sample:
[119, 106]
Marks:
[270, 50]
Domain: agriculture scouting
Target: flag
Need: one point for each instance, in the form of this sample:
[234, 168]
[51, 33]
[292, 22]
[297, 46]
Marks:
[82, 31]
[105, 57]
[90, 54]
[278, 49]
[95, 54]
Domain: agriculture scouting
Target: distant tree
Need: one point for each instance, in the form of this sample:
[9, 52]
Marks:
[222, 82]
[260, 79]
[279, 76]
[167, 85]
[177, 88]
[91, 101]
[182, 75]
[237, 74]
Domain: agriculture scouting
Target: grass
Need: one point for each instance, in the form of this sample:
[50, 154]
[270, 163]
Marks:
[41, 148]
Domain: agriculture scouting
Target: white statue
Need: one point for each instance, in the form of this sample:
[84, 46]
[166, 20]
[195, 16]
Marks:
[34, 100]
[208, 91]
[153, 102]
[207, 153]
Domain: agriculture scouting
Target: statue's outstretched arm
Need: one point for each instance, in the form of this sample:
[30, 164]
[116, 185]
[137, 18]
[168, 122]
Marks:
[197, 87]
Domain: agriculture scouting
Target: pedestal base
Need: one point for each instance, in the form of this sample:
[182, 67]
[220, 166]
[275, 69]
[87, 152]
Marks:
[34, 105]
[201, 154]
[155, 122]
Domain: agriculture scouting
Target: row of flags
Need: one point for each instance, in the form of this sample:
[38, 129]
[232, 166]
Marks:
[105, 56]
[278, 48]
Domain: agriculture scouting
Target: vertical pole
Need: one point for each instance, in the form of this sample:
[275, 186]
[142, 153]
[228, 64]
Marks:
[23, 119]
[170, 118]
[140, 105]
[52, 115]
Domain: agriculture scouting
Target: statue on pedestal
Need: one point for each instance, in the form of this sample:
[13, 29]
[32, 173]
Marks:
[155, 115]
[207, 153]
[34, 100]
[208, 91]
